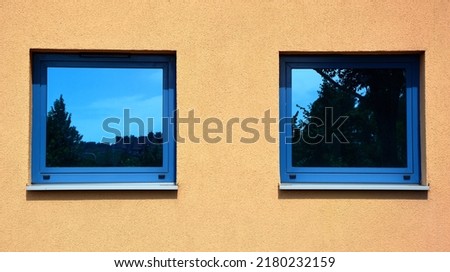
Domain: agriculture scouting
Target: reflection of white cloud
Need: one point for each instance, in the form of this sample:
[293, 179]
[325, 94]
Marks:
[135, 101]
[91, 129]
[89, 120]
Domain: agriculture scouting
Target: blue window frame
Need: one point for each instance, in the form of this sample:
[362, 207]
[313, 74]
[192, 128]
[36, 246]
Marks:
[349, 119]
[95, 95]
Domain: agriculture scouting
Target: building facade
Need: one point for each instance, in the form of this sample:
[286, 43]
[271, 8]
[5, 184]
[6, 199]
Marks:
[227, 66]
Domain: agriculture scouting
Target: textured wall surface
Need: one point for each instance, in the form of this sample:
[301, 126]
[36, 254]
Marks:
[227, 66]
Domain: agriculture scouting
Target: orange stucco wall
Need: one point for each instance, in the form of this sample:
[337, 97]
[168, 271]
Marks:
[227, 66]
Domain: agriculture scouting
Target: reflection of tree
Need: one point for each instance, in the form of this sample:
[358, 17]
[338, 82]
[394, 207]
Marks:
[65, 148]
[63, 139]
[374, 101]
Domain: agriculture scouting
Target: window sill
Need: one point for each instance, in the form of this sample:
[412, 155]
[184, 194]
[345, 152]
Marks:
[353, 186]
[104, 187]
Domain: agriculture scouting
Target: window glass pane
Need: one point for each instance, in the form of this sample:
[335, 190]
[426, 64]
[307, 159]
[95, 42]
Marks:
[104, 117]
[349, 118]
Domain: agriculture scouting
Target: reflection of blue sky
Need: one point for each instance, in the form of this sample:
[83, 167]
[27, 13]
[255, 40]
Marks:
[305, 86]
[93, 94]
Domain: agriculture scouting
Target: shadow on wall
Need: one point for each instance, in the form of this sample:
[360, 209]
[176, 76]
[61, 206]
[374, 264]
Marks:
[100, 195]
[155, 195]
[399, 195]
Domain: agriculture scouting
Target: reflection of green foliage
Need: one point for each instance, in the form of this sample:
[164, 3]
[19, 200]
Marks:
[153, 153]
[127, 160]
[65, 148]
[129, 151]
[374, 101]
[63, 139]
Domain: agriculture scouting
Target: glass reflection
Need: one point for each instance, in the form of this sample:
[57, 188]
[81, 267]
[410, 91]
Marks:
[104, 117]
[349, 118]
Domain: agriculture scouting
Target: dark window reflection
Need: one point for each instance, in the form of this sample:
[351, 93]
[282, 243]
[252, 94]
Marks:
[104, 117]
[349, 118]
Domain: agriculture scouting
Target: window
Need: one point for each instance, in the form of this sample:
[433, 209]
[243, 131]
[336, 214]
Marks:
[103, 121]
[349, 120]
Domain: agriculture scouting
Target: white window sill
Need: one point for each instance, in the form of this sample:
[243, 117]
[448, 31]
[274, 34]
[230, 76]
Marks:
[353, 186]
[103, 187]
